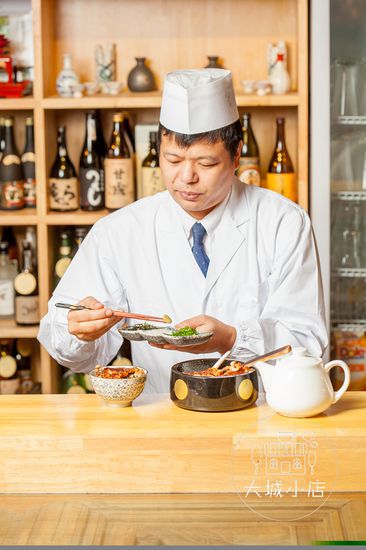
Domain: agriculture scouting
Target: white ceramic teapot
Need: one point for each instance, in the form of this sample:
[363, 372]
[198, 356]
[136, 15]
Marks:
[299, 385]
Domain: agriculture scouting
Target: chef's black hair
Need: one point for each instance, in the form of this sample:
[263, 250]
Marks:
[230, 135]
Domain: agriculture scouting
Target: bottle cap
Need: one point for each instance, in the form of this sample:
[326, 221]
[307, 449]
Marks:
[117, 117]
[81, 231]
[29, 121]
[9, 121]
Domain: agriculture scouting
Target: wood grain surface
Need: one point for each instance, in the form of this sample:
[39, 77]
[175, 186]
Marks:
[74, 444]
[209, 519]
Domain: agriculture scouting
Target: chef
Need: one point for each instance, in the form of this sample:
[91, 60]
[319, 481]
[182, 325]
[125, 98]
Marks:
[210, 251]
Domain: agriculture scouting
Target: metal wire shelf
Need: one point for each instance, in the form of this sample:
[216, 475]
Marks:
[352, 120]
[349, 196]
[348, 272]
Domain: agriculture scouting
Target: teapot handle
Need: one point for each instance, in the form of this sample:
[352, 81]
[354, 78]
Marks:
[347, 377]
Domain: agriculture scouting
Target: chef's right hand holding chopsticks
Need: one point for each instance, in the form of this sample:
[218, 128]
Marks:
[90, 325]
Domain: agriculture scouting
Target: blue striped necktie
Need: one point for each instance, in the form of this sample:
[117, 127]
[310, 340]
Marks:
[198, 232]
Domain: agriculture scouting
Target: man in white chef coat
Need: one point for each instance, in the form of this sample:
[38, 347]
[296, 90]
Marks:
[211, 252]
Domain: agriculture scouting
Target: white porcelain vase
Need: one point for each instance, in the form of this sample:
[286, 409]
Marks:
[67, 78]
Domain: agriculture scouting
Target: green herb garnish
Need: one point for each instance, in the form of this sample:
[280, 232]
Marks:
[141, 326]
[185, 331]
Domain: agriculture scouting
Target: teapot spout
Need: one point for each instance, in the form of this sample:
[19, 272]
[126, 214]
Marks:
[266, 372]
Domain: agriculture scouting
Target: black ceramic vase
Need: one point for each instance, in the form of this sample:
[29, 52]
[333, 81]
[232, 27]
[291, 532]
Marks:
[141, 78]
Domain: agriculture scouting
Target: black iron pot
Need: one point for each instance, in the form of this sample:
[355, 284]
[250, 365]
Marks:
[209, 394]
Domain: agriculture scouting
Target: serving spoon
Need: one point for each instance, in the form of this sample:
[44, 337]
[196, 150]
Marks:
[221, 360]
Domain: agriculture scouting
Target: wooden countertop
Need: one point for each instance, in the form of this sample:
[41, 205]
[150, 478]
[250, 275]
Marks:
[73, 443]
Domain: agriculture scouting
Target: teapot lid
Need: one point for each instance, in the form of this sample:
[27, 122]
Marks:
[299, 358]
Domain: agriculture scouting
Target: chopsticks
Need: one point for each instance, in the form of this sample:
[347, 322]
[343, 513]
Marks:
[118, 313]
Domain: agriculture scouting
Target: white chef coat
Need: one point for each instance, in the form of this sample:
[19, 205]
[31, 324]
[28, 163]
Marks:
[263, 278]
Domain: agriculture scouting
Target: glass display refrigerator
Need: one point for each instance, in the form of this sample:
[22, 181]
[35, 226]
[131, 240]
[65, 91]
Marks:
[338, 173]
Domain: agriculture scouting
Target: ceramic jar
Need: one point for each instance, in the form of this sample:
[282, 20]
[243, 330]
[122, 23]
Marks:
[213, 62]
[141, 78]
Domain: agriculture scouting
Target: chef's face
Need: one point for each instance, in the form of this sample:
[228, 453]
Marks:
[198, 177]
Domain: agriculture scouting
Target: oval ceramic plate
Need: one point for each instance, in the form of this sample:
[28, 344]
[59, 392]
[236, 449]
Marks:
[193, 340]
[156, 336]
[129, 334]
[162, 336]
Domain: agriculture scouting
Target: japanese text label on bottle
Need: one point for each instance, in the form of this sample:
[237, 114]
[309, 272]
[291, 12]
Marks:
[249, 171]
[119, 182]
[12, 195]
[152, 181]
[6, 298]
[25, 283]
[92, 187]
[27, 310]
[61, 265]
[63, 194]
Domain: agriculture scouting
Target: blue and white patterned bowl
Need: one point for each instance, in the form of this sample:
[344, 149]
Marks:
[118, 392]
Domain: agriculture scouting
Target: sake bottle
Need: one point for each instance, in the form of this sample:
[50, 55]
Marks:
[63, 183]
[8, 272]
[11, 172]
[29, 165]
[2, 136]
[151, 181]
[80, 234]
[281, 175]
[26, 289]
[91, 172]
[249, 168]
[63, 258]
[118, 168]
[9, 381]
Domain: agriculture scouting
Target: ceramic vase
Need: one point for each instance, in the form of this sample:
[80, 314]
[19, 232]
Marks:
[141, 78]
[213, 62]
[105, 63]
[67, 78]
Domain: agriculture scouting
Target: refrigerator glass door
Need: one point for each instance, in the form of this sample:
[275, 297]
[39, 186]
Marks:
[348, 186]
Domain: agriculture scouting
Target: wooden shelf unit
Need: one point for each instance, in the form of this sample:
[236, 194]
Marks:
[9, 329]
[171, 34]
[152, 100]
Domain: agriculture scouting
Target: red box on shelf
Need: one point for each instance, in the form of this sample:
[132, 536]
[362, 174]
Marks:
[15, 89]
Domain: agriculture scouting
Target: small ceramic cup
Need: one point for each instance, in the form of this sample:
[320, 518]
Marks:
[264, 87]
[92, 87]
[113, 87]
[77, 90]
[248, 86]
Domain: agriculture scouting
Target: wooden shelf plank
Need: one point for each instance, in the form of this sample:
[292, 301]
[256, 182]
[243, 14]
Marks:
[75, 218]
[9, 329]
[125, 100]
[26, 216]
[253, 100]
[152, 100]
[18, 103]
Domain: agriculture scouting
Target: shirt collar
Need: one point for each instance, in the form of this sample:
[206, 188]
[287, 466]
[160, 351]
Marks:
[209, 222]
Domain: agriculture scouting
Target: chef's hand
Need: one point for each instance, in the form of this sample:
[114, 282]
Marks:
[89, 325]
[223, 338]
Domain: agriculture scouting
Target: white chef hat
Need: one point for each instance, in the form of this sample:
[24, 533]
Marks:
[198, 100]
